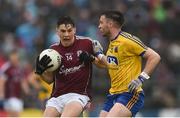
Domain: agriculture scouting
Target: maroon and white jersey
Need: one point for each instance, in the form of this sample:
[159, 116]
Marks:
[14, 76]
[73, 76]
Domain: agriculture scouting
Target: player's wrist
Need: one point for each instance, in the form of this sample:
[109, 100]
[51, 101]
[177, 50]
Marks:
[98, 53]
[92, 58]
[143, 76]
[38, 72]
[100, 56]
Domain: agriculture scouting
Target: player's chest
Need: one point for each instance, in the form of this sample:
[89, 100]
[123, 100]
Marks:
[116, 53]
[71, 57]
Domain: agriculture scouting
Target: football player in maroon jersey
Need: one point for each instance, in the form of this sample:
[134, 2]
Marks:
[15, 82]
[72, 80]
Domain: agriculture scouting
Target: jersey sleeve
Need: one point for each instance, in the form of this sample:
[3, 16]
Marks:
[135, 46]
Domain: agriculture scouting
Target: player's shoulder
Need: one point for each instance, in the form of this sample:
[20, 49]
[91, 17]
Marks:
[132, 40]
[129, 37]
[54, 45]
[83, 38]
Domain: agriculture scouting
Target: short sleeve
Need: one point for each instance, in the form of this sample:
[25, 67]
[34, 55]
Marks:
[136, 47]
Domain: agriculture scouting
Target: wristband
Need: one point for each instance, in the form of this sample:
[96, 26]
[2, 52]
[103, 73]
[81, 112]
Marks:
[98, 53]
[100, 56]
[145, 75]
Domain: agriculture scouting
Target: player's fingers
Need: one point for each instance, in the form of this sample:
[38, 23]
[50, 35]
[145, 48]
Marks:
[82, 56]
[130, 87]
[37, 59]
[136, 82]
[44, 57]
[46, 60]
[50, 66]
[133, 88]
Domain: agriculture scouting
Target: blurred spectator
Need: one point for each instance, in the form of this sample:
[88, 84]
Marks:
[14, 77]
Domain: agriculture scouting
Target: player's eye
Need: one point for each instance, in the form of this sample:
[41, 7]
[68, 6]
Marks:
[70, 30]
[63, 31]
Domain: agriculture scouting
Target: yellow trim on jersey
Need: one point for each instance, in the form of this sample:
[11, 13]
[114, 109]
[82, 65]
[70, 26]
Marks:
[123, 56]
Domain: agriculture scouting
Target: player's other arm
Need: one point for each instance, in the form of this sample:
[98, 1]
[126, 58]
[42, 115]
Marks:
[152, 60]
[46, 76]
[100, 59]
[86, 57]
[99, 63]
[41, 67]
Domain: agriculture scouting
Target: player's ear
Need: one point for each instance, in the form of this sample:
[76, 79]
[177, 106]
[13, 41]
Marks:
[57, 31]
[111, 23]
[74, 30]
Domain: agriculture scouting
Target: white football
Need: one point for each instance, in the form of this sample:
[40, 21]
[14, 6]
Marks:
[55, 57]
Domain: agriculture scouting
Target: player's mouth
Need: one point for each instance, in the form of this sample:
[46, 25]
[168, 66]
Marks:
[101, 31]
[66, 39]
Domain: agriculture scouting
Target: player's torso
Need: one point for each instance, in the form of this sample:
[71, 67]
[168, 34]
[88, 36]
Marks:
[13, 83]
[126, 65]
[72, 75]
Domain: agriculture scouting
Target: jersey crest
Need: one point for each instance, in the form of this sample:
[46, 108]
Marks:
[112, 60]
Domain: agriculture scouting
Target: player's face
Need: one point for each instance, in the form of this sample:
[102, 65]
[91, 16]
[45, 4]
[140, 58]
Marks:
[14, 58]
[66, 32]
[104, 26]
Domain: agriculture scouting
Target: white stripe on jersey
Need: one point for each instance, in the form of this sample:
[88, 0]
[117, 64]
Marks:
[55, 44]
[83, 37]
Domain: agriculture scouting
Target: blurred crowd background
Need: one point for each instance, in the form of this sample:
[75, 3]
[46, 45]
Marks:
[28, 26]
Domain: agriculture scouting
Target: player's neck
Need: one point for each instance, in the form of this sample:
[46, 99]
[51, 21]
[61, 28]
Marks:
[68, 44]
[114, 34]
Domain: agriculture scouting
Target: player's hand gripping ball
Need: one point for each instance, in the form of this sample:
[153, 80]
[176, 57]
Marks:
[49, 60]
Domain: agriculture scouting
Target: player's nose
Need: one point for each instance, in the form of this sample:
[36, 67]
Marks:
[99, 26]
[66, 34]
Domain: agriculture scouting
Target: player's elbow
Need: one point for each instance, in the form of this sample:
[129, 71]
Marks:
[157, 57]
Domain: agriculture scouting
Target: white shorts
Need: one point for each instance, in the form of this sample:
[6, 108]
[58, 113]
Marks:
[13, 104]
[62, 100]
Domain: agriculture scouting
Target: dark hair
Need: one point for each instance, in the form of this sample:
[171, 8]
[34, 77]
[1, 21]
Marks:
[115, 16]
[65, 20]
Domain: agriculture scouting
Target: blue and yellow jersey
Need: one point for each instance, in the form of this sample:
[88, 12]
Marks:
[124, 61]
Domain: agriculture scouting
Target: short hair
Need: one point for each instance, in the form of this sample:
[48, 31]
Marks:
[65, 20]
[115, 16]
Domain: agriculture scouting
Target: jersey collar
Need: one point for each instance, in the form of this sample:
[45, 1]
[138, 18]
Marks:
[116, 36]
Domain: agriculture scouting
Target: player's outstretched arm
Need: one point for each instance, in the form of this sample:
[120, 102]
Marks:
[99, 63]
[101, 59]
[85, 58]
